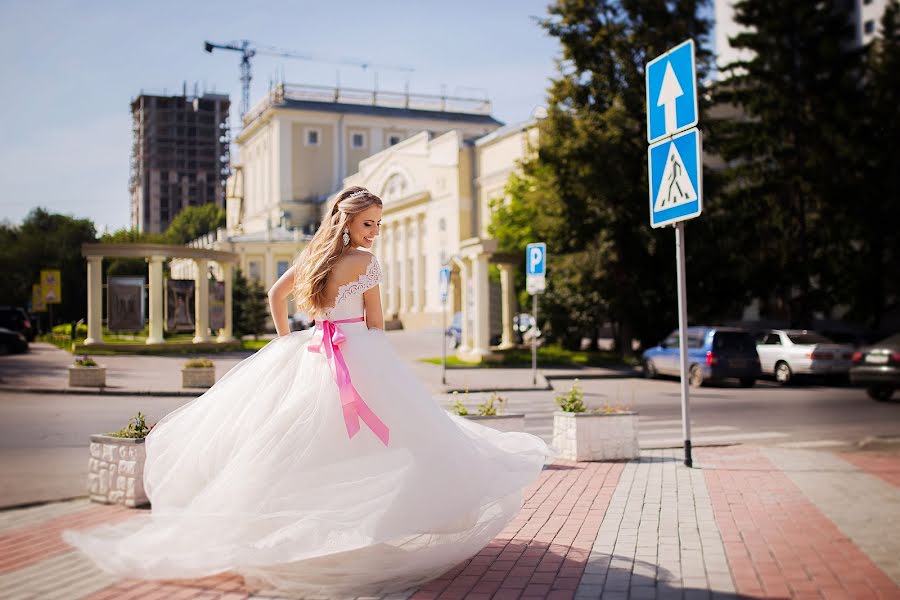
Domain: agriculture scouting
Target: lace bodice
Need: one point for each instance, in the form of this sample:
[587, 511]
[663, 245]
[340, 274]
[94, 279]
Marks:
[348, 302]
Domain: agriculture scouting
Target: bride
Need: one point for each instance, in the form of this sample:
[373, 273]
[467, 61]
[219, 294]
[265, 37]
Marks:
[320, 464]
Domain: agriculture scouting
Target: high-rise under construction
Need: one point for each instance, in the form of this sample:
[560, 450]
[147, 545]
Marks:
[179, 156]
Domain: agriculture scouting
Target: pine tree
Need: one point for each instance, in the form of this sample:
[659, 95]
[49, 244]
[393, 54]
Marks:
[250, 305]
[871, 275]
[789, 152]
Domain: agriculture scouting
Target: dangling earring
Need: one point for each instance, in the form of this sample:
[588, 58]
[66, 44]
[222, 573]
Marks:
[346, 237]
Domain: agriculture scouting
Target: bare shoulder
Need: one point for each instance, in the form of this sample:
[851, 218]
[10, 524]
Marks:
[352, 264]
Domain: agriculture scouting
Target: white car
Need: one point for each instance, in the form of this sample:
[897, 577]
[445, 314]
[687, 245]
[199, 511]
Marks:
[785, 353]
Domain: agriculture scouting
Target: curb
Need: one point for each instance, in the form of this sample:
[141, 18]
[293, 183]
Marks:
[99, 391]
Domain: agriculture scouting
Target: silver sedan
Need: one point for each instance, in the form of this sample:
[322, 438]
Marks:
[785, 353]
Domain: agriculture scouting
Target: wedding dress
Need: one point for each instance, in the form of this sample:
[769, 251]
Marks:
[319, 465]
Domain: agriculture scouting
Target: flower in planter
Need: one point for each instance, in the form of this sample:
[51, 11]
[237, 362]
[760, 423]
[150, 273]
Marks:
[198, 363]
[136, 428]
[573, 400]
[491, 407]
[458, 407]
[85, 361]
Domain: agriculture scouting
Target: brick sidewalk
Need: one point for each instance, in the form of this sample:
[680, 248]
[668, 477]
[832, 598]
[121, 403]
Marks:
[747, 522]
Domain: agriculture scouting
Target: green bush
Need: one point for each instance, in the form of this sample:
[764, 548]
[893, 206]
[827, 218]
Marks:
[198, 363]
[492, 406]
[136, 428]
[85, 361]
[66, 329]
[458, 407]
[573, 400]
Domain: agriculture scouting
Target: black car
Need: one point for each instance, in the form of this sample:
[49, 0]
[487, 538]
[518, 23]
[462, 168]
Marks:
[16, 319]
[877, 367]
[12, 342]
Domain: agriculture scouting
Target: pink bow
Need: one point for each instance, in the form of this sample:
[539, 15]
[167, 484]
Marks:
[354, 407]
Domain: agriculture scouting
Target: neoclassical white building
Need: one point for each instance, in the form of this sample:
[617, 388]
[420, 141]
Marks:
[437, 193]
[436, 162]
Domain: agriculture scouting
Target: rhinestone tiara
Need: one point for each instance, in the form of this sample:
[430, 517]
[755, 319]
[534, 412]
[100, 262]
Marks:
[357, 194]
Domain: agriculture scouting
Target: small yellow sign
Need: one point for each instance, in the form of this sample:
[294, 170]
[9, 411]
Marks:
[51, 288]
[37, 299]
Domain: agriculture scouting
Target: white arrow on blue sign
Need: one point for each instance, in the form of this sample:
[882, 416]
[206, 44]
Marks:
[444, 282]
[676, 184]
[671, 80]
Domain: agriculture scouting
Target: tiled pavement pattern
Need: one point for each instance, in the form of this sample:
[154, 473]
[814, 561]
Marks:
[747, 523]
[885, 466]
[658, 538]
[840, 498]
[778, 542]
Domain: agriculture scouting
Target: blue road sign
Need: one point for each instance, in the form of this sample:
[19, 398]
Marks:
[444, 282]
[671, 82]
[676, 182]
[536, 259]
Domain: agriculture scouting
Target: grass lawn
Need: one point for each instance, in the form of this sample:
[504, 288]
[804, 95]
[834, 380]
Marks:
[551, 355]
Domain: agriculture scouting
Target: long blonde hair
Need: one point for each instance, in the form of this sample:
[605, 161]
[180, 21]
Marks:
[316, 260]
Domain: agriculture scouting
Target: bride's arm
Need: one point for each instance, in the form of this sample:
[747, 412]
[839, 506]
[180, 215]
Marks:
[372, 302]
[278, 296]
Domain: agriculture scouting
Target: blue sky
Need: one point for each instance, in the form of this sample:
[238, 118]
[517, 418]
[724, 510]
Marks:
[71, 69]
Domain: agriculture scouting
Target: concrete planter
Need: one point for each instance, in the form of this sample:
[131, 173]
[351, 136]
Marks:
[198, 377]
[596, 436]
[87, 376]
[116, 470]
[511, 422]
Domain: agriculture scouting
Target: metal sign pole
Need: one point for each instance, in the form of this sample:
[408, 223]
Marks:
[444, 342]
[534, 310]
[682, 342]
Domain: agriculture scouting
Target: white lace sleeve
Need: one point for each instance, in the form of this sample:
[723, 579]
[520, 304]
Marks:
[367, 280]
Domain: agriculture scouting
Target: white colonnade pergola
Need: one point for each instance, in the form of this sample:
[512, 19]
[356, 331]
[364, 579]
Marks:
[471, 274]
[155, 254]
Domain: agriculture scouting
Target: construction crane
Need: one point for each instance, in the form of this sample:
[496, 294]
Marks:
[249, 49]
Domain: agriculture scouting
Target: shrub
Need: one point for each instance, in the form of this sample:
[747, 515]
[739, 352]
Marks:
[573, 400]
[198, 363]
[458, 407]
[492, 406]
[136, 428]
[85, 361]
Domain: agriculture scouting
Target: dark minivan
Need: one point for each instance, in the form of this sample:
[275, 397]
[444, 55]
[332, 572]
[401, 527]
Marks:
[714, 353]
[16, 319]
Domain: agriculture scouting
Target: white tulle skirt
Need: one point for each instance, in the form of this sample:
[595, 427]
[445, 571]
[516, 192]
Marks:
[258, 476]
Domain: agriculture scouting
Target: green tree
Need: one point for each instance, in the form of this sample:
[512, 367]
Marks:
[585, 191]
[46, 240]
[249, 304]
[870, 274]
[193, 221]
[136, 267]
[789, 151]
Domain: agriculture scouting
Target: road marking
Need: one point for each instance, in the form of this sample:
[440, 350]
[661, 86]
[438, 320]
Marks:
[713, 439]
[814, 444]
[669, 430]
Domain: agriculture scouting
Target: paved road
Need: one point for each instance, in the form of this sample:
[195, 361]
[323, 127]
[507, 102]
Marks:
[43, 437]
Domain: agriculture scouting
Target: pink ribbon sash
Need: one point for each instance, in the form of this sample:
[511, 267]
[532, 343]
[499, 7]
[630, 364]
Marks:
[354, 407]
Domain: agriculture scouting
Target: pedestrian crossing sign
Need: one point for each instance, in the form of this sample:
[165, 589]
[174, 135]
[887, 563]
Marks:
[675, 172]
[50, 286]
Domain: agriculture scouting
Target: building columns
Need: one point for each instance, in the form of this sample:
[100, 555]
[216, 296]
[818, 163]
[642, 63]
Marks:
[481, 335]
[226, 334]
[201, 302]
[507, 304]
[418, 267]
[392, 304]
[464, 297]
[404, 228]
[95, 300]
[156, 300]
